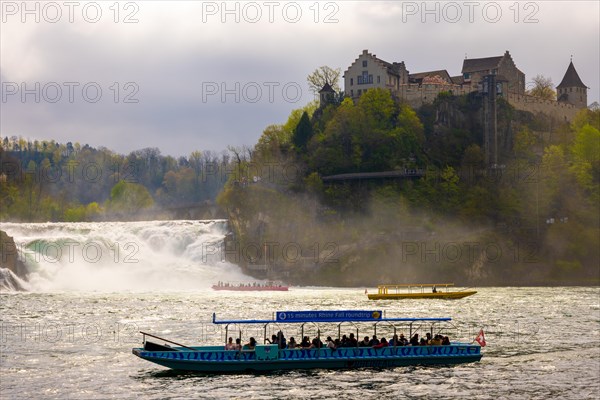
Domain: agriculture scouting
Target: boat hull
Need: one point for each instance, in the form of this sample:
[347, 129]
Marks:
[438, 295]
[278, 360]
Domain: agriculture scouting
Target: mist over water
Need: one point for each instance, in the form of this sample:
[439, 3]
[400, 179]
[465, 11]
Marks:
[124, 256]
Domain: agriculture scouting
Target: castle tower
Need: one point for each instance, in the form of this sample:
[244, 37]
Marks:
[326, 95]
[571, 89]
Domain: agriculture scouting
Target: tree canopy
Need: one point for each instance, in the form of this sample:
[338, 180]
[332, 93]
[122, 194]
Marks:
[322, 75]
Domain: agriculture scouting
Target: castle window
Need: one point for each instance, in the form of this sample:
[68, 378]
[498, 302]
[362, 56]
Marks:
[466, 75]
[364, 63]
[351, 92]
[351, 81]
[359, 92]
[365, 78]
[378, 79]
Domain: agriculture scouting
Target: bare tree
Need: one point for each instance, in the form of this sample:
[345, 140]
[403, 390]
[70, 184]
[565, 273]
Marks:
[323, 75]
[542, 88]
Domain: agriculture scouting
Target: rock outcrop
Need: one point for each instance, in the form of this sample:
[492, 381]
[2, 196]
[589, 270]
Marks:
[9, 257]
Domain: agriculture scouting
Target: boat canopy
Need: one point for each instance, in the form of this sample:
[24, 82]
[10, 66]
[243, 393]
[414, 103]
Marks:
[327, 316]
[416, 285]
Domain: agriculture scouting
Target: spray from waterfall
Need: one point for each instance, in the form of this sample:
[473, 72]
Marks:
[124, 256]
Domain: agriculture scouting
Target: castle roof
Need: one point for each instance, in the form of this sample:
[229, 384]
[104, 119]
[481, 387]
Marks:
[327, 88]
[419, 76]
[571, 78]
[392, 68]
[458, 80]
[481, 64]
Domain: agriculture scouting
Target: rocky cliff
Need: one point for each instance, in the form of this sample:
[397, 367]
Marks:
[12, 268]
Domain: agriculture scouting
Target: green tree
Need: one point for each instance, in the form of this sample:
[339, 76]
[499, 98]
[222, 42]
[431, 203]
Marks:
[294, 118]
[302, 133]
[586, 159]
[127, 197]
[379, 108]
[524, 142]
[271, 143]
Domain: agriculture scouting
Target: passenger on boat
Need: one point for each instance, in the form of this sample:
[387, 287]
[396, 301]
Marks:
[238, 344]
[230, 345]
[352, 342]
[423, 342]
[292, 343]
[434, 290]
[394, 341]
[281, 340]
[374, 341]
[305, 344]
[383, 343]
[403, 341]
[316, 344]
[251, 345]
[445, 341]
[273, 340]
[331, 343]
[364, 342]
[428, 337]
[436, 341]
[414, 341]
[344, 342]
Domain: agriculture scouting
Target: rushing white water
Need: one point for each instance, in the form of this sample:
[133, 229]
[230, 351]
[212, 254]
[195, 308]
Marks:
[124, 256]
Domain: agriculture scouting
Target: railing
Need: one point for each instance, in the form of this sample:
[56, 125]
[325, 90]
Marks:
[383, 289]
[144, 334]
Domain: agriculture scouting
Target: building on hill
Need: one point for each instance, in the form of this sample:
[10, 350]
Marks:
[326, 95]
[369, 72]
[571, 89]
[507, 74]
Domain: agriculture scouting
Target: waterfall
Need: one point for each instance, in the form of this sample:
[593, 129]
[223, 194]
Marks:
[124, 256]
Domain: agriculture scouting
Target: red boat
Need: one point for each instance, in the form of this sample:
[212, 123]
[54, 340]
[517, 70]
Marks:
[250, 287]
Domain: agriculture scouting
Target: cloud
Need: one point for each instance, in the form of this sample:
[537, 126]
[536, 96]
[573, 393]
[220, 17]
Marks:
[176, 51]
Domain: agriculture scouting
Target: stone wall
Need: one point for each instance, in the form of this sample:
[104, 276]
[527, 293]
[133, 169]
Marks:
[417, 95]
[559, 110]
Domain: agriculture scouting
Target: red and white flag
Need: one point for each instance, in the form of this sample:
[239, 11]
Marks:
[480, 338]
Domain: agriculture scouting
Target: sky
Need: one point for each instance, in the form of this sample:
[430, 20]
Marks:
[202, 75]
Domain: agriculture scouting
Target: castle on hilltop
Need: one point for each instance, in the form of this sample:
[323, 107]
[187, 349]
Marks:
[369, 72]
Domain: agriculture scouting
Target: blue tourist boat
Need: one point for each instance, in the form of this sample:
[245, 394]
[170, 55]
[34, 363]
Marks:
[270, 357]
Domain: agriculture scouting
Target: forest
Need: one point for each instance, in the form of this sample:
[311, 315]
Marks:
[49, 181]
[353, 193]
[532, 219]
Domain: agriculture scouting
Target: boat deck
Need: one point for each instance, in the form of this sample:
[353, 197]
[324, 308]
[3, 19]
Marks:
[419, 291]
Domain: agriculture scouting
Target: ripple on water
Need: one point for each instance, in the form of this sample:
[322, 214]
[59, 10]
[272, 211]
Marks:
[78, 345]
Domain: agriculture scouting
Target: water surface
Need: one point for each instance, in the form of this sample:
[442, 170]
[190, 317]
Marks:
[542, 343]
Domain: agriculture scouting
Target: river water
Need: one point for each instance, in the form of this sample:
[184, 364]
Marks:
[59, 341]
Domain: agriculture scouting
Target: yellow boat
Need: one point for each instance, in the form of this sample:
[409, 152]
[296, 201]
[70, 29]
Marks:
[419, 291]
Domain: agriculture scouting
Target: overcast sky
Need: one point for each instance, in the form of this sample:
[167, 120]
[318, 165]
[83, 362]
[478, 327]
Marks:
[192, 75]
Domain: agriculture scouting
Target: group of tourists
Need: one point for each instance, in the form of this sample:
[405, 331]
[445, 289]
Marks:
[344, 341]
